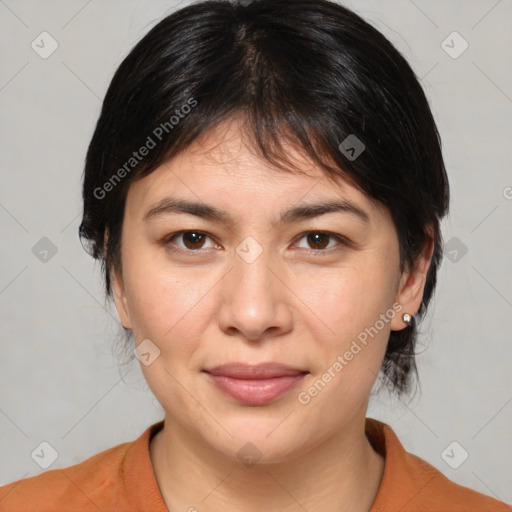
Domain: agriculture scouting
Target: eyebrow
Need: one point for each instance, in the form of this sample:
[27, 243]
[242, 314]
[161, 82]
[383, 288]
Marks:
[170, 205]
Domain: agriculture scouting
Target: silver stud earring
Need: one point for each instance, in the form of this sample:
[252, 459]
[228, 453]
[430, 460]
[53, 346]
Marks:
[407, 318]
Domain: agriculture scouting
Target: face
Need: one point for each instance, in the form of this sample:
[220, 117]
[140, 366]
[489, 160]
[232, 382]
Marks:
[265, 280]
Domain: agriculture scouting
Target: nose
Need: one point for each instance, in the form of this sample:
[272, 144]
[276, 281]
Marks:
[255, 300]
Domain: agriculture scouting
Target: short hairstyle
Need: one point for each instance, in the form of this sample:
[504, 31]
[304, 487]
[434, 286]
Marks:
[306, 72]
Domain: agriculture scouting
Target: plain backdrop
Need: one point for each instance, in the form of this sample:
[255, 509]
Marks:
[60, 377]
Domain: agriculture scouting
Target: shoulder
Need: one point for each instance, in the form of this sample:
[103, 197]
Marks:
[436, 490]
[411, 484]
[82, 486]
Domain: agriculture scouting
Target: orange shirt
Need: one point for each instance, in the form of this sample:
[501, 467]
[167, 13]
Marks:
[121, 479]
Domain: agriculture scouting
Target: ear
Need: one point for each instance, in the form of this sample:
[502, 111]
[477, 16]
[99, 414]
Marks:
[412, 283]
[118, 288]
[120, 299]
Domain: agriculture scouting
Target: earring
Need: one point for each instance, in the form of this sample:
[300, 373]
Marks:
[407, 318]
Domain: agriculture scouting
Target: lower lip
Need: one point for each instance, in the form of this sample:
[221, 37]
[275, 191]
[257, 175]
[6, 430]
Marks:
[255, 391]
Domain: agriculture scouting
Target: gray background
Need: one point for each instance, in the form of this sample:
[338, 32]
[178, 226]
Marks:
[60, 378]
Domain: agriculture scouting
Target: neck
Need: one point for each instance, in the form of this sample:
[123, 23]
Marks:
[341, 473]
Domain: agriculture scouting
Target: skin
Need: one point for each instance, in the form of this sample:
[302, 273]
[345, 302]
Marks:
[300, 302]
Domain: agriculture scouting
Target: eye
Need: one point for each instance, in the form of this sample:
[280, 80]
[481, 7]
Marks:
[320, 240]
[193, 240]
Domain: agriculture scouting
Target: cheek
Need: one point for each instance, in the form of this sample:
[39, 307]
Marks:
[350, 302]
[349, 299]
[348, 360]
[165, 301]
[167, 306]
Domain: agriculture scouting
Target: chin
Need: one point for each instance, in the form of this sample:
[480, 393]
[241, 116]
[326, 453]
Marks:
[264, 441]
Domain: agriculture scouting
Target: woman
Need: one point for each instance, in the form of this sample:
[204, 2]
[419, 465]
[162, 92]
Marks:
[264, 189]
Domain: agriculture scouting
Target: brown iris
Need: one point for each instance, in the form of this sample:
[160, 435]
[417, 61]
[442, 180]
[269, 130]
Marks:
[196, 239]
[321, 239]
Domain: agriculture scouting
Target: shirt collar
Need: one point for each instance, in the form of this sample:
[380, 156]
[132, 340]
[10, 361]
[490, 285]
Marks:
[143, 491]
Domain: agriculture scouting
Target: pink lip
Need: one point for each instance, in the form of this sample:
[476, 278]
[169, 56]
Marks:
[255, 384]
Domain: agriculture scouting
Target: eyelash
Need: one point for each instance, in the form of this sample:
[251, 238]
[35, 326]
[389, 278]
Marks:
[343, 241]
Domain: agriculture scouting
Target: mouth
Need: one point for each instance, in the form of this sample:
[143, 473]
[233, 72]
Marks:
[255, 384]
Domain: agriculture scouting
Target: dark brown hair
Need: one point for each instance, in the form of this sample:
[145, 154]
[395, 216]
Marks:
[311, 73]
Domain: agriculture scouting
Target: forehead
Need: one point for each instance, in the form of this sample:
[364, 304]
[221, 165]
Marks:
[227, 151]
[222, 167]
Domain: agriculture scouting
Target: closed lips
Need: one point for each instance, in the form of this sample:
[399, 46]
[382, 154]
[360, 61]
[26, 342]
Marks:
[255, 372]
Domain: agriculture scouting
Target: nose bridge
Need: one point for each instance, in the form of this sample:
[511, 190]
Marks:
[254, 300]
[252, 273]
